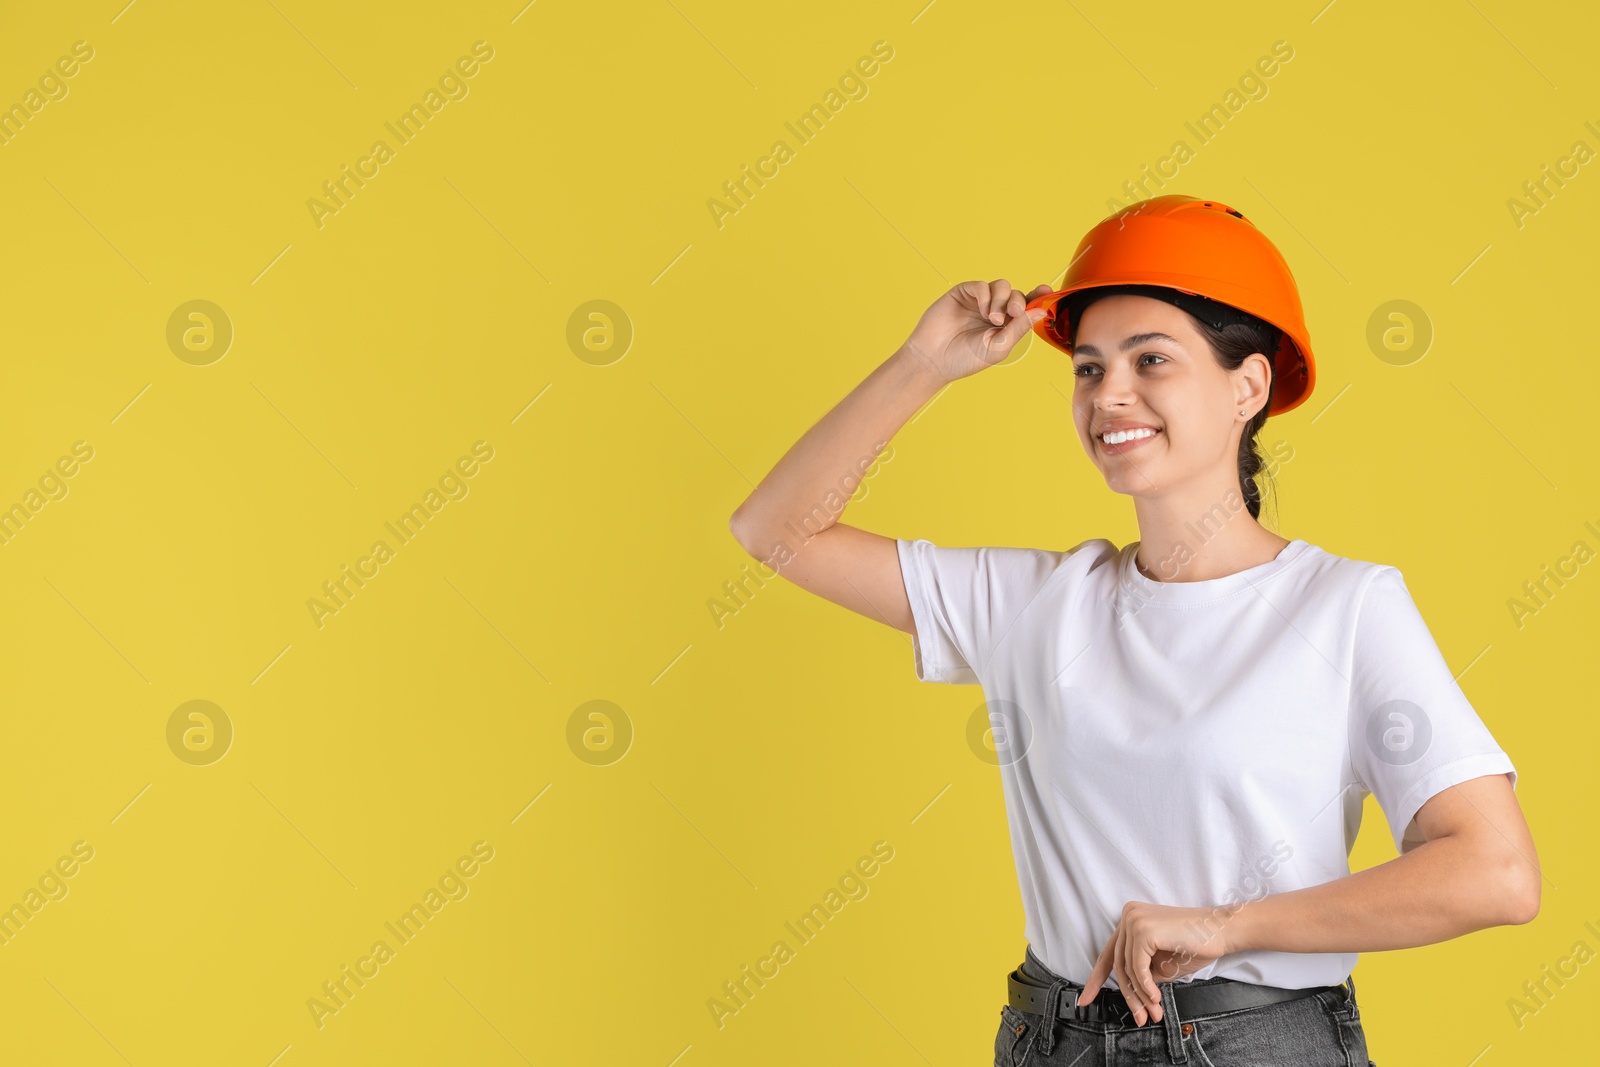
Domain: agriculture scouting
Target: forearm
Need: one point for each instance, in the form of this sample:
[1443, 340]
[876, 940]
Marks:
[1439, 890]
[809, 487]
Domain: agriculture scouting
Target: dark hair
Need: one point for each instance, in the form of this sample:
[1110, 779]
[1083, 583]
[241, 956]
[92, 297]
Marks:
[1232, 335]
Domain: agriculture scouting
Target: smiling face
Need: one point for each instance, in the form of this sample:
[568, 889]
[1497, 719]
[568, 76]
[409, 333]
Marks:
[1141, 362]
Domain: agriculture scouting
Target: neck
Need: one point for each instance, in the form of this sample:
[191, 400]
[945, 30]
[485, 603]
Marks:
[1200, 537]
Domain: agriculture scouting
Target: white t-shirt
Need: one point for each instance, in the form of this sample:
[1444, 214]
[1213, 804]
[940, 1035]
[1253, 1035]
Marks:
[1193, 744]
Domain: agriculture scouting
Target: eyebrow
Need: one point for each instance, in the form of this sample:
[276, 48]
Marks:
[1130, 342]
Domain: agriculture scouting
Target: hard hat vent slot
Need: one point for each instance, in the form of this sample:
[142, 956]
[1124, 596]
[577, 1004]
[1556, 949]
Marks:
[1222, 207]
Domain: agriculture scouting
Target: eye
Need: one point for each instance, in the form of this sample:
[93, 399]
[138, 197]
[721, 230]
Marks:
[1078, 371]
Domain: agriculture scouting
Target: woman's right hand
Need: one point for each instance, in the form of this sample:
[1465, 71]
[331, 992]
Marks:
[973, 326]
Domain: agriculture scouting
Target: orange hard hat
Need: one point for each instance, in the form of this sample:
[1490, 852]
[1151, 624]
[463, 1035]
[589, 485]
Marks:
[1199, 247]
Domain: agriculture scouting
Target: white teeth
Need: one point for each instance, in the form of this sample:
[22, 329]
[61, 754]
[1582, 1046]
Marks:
[1131, 435]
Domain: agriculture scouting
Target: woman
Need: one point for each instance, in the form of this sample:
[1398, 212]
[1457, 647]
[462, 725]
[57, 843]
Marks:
[1187, 725]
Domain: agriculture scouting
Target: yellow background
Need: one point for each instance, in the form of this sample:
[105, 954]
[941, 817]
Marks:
[770, 751]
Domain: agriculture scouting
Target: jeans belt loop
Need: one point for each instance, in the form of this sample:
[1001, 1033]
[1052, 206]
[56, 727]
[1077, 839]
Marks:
[1170, 1020]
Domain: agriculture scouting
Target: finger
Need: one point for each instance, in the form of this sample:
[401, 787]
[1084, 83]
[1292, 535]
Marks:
[1129, 992]
[1015, 303]
[999, 294]
[1135, 962]
[1133, 987]
[1097, 977]
[1020, 323]
[1139, 964]
[980, 296]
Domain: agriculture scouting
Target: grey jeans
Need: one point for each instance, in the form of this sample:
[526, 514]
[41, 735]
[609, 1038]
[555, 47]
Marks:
[1320, 1030]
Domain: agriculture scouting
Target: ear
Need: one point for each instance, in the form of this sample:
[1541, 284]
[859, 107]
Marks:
[1254, 376]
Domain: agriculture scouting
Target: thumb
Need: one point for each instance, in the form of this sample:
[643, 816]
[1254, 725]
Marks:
[1020, 325]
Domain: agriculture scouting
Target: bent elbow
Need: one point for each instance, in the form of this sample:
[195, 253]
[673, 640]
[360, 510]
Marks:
[1524, 896]
[1530, 909]
[749, 534]
[738, 527]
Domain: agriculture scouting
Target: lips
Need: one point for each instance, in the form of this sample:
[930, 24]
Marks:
[1126, 446]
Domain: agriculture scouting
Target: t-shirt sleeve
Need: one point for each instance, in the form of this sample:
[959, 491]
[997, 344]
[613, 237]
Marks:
[964, 602]
[1413, 733]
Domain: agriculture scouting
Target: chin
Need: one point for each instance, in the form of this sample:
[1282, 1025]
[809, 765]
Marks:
[1130, 482]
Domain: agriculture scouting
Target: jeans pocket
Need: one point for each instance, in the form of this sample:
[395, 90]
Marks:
[1015, 1037]
[1197, 1051]
[1345, 1014]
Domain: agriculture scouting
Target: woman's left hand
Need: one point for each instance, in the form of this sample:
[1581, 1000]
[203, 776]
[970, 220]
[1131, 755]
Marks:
[1154, 943]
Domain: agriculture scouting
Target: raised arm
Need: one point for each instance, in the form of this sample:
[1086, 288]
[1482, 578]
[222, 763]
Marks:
[791, 520]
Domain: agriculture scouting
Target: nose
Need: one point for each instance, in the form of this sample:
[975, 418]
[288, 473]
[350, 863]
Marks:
[1115, 389]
